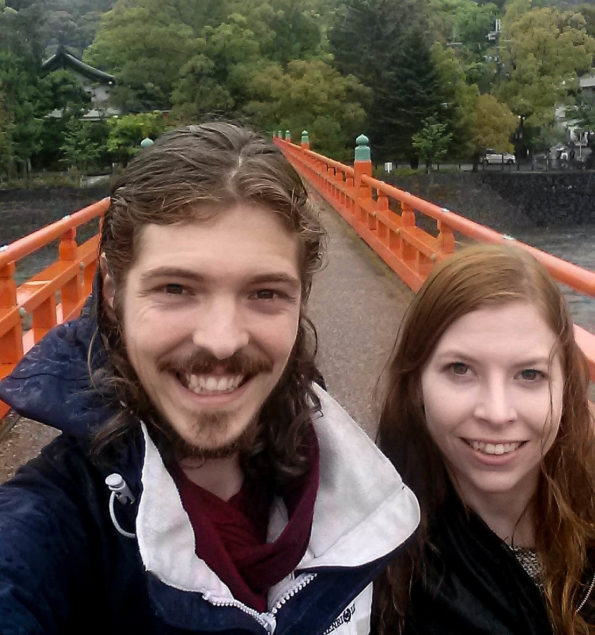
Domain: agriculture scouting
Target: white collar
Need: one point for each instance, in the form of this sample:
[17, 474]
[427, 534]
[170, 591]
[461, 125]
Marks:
[363, 510]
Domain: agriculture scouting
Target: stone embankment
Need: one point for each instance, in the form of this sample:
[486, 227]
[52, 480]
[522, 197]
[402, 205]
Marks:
[509, 200]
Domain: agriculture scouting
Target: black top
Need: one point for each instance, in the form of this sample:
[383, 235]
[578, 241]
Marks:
[475, 584]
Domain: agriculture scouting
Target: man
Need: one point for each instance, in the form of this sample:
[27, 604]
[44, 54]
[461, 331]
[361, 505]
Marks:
[203, 482]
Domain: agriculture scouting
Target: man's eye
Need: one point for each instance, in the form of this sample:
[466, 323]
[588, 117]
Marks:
[458, 368]
[530, 374]
[175, 289]
[265, 294]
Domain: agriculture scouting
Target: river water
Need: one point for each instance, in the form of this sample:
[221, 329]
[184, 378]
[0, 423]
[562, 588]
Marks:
[21, 212]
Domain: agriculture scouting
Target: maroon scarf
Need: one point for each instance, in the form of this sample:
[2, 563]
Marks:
[231, 535]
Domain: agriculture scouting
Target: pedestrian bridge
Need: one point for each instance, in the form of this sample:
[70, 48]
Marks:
[380, 252]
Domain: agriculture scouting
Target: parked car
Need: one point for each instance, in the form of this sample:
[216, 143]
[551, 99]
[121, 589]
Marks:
[491, 157]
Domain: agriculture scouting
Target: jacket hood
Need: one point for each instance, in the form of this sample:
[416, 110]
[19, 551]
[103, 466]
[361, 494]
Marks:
[52, 385]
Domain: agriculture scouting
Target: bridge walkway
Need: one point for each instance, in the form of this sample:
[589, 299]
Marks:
[357, 303]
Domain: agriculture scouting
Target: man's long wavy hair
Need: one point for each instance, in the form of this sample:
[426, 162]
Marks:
[190, 175]
[564, 505]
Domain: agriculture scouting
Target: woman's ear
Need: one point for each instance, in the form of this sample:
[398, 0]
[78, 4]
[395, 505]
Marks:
[108, 288]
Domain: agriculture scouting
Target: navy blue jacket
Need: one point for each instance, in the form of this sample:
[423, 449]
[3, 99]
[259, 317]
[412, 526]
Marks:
[69, 564]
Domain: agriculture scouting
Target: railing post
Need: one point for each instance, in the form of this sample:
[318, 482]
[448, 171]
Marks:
[408, 252]
[446, 238]
[11, 343]
[71, 291]
[305, 143]
[288, 136]
[362, 165]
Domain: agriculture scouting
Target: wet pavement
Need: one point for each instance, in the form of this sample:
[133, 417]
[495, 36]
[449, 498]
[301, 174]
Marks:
[356, 304]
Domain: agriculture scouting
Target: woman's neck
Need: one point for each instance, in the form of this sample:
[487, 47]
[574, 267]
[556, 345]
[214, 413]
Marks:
[510, 517]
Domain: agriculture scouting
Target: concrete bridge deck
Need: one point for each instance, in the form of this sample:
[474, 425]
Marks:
[356, 304]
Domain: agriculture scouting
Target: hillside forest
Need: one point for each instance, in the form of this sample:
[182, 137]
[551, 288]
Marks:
[424, 79]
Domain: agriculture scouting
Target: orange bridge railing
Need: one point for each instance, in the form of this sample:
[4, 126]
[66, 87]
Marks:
[51, 296]
[385, 217]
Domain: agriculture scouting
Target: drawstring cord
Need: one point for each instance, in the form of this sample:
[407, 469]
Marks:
[119, 490]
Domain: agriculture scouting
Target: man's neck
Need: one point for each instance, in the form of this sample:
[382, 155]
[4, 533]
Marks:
[223, 477]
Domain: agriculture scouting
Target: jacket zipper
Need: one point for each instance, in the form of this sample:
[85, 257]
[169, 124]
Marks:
[304, 582]
[588, 594]
[262, 618]
[266, 620]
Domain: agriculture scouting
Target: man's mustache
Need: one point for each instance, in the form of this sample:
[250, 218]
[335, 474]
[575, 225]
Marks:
[202, 362]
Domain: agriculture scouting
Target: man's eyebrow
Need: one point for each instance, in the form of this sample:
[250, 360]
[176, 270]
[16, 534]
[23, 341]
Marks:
[170, 272]
[277, 277]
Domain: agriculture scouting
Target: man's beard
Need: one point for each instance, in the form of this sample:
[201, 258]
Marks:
[209, 426]
[217, 424]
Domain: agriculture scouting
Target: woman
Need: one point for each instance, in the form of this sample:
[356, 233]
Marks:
[487, 418]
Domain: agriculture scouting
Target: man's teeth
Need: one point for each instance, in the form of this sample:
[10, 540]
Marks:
[213, 383]
[494, 448]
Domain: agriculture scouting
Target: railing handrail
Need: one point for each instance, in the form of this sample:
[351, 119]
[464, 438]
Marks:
[407, 249]
[574, 276]
[331, 162]
[23, 247]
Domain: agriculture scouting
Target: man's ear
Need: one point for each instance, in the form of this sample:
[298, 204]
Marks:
[108, 288]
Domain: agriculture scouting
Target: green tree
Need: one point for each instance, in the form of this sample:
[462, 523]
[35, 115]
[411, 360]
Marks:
[126, 133]
[432, 141]
[285, 29]
[79, 149]
[384, 44]
[144, 44]
[6, 139]
[311, 95]
[19, 83]
[460, 99]
[215, 80]
[588, 12]
[62, 98]
[543, 52]
[493, 126]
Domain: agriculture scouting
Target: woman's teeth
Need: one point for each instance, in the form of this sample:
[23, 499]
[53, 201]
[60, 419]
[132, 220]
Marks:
[494, 448]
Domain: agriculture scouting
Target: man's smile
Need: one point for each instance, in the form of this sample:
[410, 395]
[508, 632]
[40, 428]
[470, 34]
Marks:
[205, 384]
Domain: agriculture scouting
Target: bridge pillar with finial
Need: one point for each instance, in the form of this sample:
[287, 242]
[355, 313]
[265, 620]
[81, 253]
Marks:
[288, 135]
[362, 166]
[305, 142]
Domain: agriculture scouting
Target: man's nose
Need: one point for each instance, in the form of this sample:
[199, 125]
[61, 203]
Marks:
[220, 328]
[495, 403]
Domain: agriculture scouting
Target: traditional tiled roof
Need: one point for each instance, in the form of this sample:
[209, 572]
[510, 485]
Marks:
[63, 59]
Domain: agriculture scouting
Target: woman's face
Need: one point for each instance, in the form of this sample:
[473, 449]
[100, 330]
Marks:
[492, 396]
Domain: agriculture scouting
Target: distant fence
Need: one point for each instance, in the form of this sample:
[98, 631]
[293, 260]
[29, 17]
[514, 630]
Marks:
[385, 217]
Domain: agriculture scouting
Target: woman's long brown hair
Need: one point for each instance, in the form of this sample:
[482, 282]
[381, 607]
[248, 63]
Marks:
[564, 503]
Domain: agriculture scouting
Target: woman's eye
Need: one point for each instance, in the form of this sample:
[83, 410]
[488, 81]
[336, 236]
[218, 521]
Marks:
[458, 368]
[530, 374]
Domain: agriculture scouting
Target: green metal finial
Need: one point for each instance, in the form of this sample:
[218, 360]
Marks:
[280, 134]
[146, 142]
[362, 149]
[305, 137]
[287, 135]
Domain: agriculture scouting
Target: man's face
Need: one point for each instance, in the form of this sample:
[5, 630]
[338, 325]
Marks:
[210, 313]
